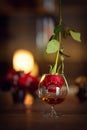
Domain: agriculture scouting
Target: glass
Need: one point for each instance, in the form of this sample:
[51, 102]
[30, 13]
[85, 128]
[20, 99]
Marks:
[53, 89]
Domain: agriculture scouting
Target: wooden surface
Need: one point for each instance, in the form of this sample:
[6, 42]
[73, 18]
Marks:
[20, 117]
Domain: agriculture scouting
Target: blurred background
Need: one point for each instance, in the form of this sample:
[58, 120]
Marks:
[26, 24]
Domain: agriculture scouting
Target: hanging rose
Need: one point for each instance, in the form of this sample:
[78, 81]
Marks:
[53, 79]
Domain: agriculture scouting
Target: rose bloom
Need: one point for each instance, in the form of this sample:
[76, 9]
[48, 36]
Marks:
[17, 80]
[11, 79]
[53, 79]
[28, 82]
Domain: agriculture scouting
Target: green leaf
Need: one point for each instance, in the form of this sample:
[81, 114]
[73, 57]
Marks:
[58, 29]
[52, 46]
[75, 35]
[54, 69]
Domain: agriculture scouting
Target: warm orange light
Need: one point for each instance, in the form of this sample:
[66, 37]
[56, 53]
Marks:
[23, 60]
[35, 70]
[28, 100]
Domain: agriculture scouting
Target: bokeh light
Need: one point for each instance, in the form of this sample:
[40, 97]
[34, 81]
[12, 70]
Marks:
[23, 60]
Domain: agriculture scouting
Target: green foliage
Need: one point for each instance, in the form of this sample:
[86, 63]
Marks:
[52, 46]
[75, 35]
[57, 29]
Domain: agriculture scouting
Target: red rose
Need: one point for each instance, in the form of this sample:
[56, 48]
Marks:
[16, 80]
[29, 82]
[10, 74]
[53, 79]
[52, 89]
[25, 80]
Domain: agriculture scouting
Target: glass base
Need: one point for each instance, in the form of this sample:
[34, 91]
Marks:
[52, 113]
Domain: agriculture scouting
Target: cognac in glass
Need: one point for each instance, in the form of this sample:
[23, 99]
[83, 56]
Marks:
[53, 89]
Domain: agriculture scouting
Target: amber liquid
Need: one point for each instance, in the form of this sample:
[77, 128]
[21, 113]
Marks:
[53, 100]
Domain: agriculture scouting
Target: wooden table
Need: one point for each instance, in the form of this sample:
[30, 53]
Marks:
[18, 117]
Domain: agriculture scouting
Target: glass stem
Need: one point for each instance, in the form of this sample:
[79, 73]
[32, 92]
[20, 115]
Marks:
[53, 112]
